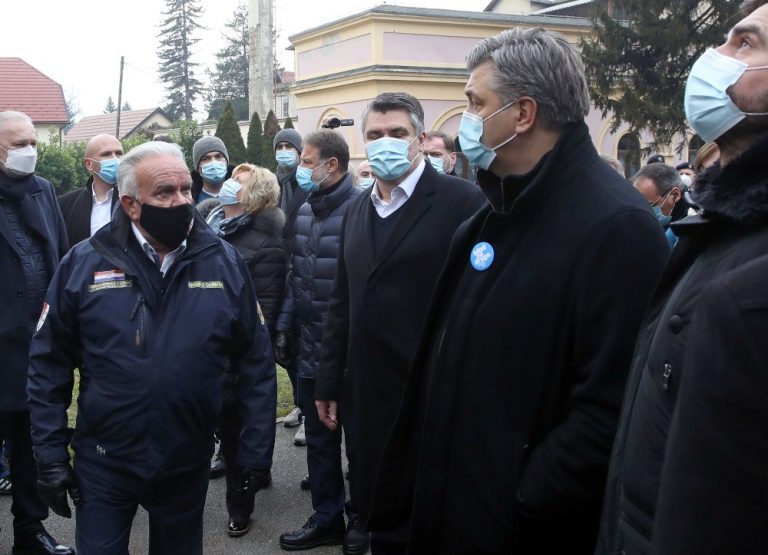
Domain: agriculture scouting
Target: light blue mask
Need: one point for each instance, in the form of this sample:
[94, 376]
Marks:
[304, 178]
[228, 193]
[470, 135]
[366, 183]
[388, 157]
[108, 171]
[437, 163]
[286, 157]
[708, 108]
[663, 220]
[214, 172]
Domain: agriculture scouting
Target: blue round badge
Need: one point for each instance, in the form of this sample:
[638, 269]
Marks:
[482, 256]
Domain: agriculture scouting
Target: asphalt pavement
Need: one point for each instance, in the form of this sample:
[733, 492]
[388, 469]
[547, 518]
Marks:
[282, 507]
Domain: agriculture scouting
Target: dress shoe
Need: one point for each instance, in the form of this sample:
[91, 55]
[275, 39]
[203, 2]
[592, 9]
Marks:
[305, 483]
[311, 535]
[237, 528]
[356, 539]
[293, 418]
[300, 439]
[39, 543]
[218, 464]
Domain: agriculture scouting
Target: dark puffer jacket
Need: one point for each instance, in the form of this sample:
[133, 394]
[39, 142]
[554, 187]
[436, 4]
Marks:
[258, 238]
[316, 243]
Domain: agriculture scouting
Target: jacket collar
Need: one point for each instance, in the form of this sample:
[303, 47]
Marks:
[323, 203]
[29, 184]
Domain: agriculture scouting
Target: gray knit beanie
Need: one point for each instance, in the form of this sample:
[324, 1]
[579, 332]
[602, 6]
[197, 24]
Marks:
[290, 136]
[204, 145]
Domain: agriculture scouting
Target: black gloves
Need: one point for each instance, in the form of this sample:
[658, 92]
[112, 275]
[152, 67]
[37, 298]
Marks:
[253, 480]
[282, 348]
[53, 482]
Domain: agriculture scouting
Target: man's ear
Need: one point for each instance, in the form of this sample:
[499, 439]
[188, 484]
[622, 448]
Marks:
[528, 111]
[131, 206]
[676, 195]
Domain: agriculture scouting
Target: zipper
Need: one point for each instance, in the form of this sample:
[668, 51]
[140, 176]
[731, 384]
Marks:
[665, 377]
[141, 330]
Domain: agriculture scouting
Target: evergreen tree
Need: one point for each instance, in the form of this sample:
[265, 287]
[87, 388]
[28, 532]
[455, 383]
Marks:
[126, 107]
[185, 137]
[229, 79]
[271, 128]
[288, 123]
[639, 56]
[255, 140]
[175, 53]
[110, 108]
[229, 132]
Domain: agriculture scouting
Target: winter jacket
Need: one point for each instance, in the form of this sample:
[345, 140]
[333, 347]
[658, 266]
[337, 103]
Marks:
[503, 441]
[731, 231]
[258, 238]
[39, 218]
[316, 247]
[152, 352]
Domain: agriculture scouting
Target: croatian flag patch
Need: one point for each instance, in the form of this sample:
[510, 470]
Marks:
[109, 275]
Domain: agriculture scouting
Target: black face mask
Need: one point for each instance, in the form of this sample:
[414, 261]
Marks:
[170, 226]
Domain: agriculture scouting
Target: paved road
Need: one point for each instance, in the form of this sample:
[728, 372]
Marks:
[282, 507]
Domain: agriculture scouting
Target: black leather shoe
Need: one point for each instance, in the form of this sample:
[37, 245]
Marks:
[311, 535]
[237, 528]
[356, 540]
[218, 464]
[39, 543]
[305, 483]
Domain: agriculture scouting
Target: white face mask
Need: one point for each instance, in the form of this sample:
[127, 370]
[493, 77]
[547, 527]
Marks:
[21, 162]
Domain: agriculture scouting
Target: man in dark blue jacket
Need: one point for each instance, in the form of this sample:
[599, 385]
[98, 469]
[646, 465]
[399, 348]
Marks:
[323, 173]
[32, 240]
[153, 309]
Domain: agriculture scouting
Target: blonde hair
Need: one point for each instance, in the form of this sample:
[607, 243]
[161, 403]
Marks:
[260, 191]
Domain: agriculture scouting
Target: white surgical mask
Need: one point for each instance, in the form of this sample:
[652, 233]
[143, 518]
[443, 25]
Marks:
[21, 162]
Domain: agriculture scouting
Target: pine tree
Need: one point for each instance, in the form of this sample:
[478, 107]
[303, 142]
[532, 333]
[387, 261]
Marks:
[175, 53]
[255, 140]
[126, 107]
[639, 57]
[229, 132]
[288, 123]
[110, 107]
[271, 128]
[229, 79]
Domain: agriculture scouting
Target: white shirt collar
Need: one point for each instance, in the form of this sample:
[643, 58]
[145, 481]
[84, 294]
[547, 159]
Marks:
[151, 253]
[406, 187]
[107, 199]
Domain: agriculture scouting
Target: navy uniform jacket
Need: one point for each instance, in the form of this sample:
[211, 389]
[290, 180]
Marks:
[152, 352]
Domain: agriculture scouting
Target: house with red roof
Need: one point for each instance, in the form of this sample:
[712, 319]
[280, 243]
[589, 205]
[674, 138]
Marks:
[26, 89]
[131, 122]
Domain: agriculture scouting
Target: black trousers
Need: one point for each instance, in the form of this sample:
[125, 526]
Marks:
[27, 507]
[175, 503]
[326, 477]
[239, 506]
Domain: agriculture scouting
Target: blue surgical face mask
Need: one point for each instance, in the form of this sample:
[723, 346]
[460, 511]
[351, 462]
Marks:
[214, 172]
[470, 135]
[108, 169]
[708, 107]
[286, 157]
[366, 183]
[437, 163]
[304, 178]
[228, 193]
[388, 157]
[663, 220]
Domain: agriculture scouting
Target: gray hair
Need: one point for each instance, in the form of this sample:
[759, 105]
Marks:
[10, 115]
[664, 177]
[539, 64]
[388, 101]
[126, 173]
[614, 162]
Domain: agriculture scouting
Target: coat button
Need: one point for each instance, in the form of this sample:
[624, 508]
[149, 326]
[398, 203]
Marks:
[675, 323]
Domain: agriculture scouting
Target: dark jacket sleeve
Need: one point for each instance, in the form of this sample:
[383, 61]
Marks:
[268, 268]
[615, 277]
[333, 354]
[256, 388]
[713, 496]
[285, 318]
[54, 354]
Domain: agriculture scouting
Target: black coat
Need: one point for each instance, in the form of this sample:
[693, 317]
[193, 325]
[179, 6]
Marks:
[258, 239]
[503, 442]
[313, 268]
[713, 496]
[732, 231]
[15, 327]
[76, 209]
[379, 303]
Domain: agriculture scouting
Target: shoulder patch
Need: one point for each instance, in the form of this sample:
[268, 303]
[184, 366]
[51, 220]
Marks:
[205, 284]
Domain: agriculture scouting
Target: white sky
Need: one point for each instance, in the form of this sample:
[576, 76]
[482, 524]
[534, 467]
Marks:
[79, 43]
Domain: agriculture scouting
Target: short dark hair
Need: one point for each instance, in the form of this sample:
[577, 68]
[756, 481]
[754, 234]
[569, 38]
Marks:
[445, 137]
[330, 144]
[403, 101]
[664, 177]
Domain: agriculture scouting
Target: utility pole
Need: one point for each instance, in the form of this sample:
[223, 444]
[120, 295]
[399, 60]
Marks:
[261, 57]
[119, 98]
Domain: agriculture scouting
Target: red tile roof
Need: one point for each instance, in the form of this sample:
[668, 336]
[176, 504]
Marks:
[25, 89]
[91, 126]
